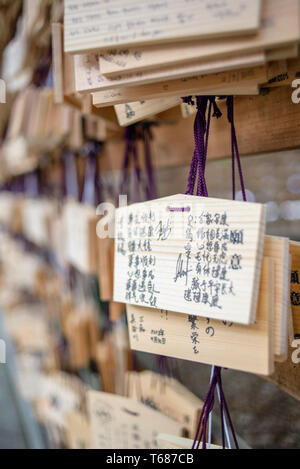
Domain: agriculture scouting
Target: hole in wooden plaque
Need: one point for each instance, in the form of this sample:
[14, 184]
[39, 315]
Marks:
[178, 209]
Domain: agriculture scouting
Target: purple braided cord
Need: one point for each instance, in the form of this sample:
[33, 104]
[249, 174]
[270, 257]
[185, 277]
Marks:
[151, 191]
[198, 157]
[92, 187]
[132, 134]
[129, 136]
[137, 171]
[201, 135]
[201, 131]
[235, 149]
[207, 409]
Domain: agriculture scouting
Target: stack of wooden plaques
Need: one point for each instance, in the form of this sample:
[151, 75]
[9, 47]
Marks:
[143, 57]
[203, 282]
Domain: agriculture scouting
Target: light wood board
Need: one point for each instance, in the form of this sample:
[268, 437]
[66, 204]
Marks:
[121, 423]
[278, 249]
[280, 28]
[131, 113]
[89, 76]
[205, 260]
[238, 82]
[109, 23]
[168, 396]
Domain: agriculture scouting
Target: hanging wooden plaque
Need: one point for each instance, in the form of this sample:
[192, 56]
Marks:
[78, 431]
[191, 255]
[280, 28]
[130, 113]
[278, 249]
[168, 396]
[102, 25]
[121, 423]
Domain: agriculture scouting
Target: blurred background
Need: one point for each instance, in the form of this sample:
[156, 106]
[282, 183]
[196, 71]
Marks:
[56, 323]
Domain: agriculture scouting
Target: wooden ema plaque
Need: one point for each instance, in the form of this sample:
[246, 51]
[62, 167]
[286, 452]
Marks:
[278, 249]
[121, 423]
[168, 396]
[78, 431]
[191, 255]
[103, 24]
[280, 28]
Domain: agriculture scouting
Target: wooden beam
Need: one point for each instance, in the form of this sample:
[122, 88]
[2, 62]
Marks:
[266, 123]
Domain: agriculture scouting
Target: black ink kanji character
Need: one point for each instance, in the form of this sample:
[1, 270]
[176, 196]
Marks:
[295, 298]
[195, 284]
[236, 262]
[137, 274]
[210, 286]
[215, 302]
[192, 320]
[205, 298]
[150, 232]
[189, 234]
[194, 338]
[206, 257]
[188, 295]
[223, 220]
[209, 219]
[231, 290]
[217, 218]
[219, 234]
[131, 246]
[201, 220]
[209, 246]
[295, 277]
[216, 247]
[132, 319]
[223, 275]
[237, 236]
[197, 296]
[143, 298]
[225, 235]
[198, 256]
[216, 271]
